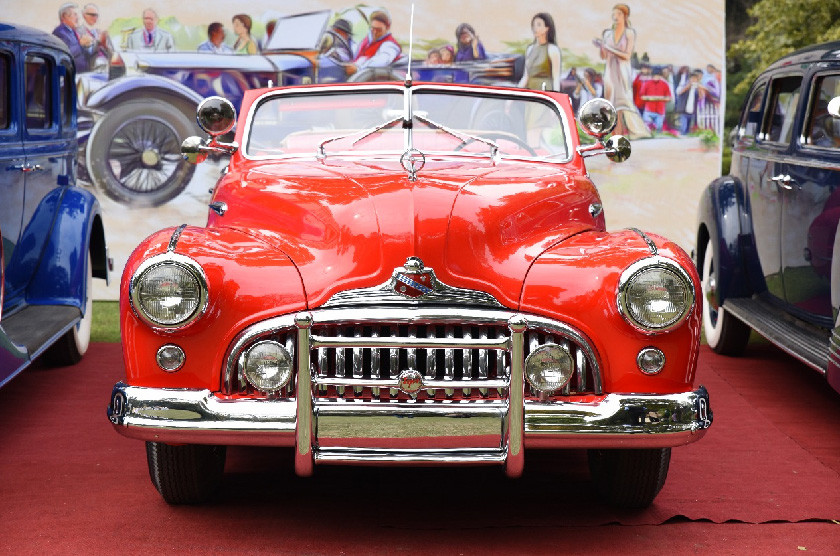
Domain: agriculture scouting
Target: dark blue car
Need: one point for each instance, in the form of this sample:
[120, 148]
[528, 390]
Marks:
[767, 242]
[53, 239]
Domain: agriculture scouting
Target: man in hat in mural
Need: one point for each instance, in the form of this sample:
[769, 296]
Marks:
[337, 43]
[378, 49]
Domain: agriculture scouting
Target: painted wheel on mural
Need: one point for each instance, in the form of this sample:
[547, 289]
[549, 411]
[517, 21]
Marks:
[134, 153]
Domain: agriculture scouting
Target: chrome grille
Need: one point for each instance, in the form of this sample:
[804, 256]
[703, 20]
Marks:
[346, 362]
[370, 366]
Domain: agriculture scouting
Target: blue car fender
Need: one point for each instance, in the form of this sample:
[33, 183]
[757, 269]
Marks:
[61, 276]
[724, 219]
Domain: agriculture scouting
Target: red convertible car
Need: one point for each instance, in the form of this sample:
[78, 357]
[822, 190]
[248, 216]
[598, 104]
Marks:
[409, 274]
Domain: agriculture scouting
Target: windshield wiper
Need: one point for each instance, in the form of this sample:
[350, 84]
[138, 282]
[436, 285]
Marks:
[365, 134]
[464, 137]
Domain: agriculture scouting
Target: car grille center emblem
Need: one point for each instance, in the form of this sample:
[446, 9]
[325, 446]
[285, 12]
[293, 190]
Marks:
[413, 280]
[410, 382]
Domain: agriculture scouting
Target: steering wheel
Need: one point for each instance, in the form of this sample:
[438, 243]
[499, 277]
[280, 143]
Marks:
[497, 136]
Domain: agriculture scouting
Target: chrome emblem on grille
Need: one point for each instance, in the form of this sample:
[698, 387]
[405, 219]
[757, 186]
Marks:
[414, 281]
[410, 382]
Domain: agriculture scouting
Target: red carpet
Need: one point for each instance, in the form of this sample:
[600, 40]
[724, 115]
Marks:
[765, 479]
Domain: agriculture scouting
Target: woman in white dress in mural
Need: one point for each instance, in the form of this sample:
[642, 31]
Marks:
[617, 44]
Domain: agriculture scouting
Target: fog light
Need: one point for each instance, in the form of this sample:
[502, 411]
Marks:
[650, 360]
[267, 366]
[549, 368]
[170, 358]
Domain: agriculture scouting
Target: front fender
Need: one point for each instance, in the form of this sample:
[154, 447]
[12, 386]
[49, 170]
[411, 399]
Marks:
[248, 281]
[76, 228]
[143, 86]
[577, 282]
[724, 219]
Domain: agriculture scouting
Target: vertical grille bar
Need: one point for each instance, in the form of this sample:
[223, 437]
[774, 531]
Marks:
[358, 368]
[340, 365]
[449, 360]
[468, 357]
[431, 359]
[483, 362]
[375, 364]
[394, 369]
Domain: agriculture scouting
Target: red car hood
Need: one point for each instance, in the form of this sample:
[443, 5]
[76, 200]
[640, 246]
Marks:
[348, 225]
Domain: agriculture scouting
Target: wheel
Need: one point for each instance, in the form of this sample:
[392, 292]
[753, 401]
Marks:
[70, 348]
[186, 474]
[134, 153]
[724, 333]
[629, 478]
[500, 136]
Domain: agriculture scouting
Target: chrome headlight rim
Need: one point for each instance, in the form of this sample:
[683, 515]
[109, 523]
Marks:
[185, 263]
[243, 366]
[633, 271]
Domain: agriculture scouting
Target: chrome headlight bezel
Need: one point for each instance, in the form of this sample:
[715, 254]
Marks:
[656, 264]
[194, 271]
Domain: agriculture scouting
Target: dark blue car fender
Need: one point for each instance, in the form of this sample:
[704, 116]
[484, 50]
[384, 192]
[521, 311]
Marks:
[724, 219]
[77, 228]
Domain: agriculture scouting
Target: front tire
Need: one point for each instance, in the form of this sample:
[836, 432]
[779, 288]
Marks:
[629, 478]
[187, 474]
[724, 333]
[134, 153]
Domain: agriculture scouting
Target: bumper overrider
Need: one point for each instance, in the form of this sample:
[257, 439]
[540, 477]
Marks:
[491, 431]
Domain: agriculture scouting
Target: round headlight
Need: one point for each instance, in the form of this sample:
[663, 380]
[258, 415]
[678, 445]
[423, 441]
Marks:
[549, 367]
[169, 292]
[655, 295]
[267, 366]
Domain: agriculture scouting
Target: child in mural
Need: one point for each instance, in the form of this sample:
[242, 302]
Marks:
[469, 47]
[655, 94]
[543, 64]
[244, 44]
[616, 45]
[447, 55]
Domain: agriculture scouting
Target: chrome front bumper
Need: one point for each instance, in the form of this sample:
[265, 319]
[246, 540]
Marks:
[471, 432]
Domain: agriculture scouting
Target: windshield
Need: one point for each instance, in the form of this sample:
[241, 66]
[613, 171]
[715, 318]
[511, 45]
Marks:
[367, 121]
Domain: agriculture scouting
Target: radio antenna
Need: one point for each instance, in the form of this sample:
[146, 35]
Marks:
[410, 47]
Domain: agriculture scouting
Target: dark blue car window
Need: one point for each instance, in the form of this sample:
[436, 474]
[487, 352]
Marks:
[823, 128]
[751, 119]
[5, 86]
[38, 97]
[65, 92]
[781, 110]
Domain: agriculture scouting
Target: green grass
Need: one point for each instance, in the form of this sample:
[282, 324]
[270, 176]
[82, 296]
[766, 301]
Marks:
[106, 322]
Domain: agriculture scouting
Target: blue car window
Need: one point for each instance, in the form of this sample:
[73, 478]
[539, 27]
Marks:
[751, 119]
[38, 94]
[5, 86]
[784, 97]
[65, 93]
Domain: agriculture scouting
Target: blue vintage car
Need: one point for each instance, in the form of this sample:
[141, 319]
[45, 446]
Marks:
[53, 239]
[134, 113]
[767, 242]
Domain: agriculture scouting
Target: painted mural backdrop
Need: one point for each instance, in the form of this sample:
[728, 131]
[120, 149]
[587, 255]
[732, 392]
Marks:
[146, 64]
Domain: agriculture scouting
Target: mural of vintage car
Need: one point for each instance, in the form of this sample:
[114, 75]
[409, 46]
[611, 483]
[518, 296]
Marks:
[133, 114]
[409, 274]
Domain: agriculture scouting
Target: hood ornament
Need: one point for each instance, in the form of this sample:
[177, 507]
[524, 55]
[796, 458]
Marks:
[413, 161]
[413, 280]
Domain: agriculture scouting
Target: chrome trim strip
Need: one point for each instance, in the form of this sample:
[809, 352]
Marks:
[515, 421]
[651, 245]
[356, 456]
[176, 235]
[427, 384]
